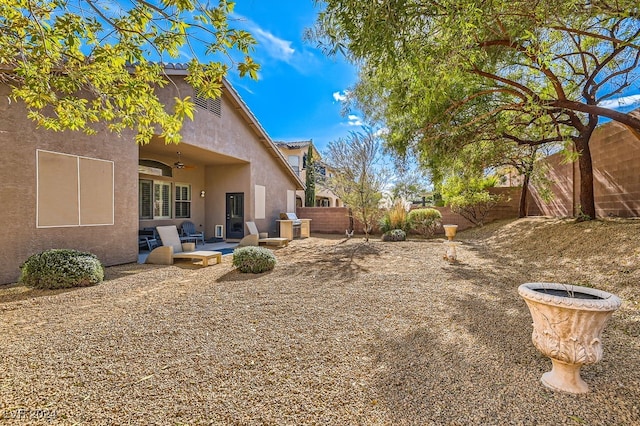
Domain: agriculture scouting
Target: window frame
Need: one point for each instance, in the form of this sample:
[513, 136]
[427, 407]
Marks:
[178, 200]
[153, 201]
[164, 201]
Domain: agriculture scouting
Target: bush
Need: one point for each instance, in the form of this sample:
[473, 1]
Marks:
[395, 218]
[394, 235]
[61, 268]
[253, 259]
[425, 221]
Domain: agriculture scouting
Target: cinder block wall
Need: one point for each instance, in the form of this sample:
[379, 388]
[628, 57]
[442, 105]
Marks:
[326, 220]
[615, 152]
[335, 220]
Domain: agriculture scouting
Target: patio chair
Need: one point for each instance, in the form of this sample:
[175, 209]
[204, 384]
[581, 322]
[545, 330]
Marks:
[147, 240]
[189, 232]
[172, 248]
[255, 238]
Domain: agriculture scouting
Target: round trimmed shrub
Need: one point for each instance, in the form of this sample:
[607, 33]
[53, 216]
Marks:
[61, 268]
[425, 221]
[394, 235]
[254, 259]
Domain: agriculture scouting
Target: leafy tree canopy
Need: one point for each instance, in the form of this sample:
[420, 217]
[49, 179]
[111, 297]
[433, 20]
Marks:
[441, 75]
[75, 63]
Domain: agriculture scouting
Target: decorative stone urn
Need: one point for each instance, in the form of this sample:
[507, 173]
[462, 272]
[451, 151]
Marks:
[450, 231]
[567, 323]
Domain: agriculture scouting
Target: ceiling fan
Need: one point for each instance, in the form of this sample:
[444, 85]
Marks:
[180, 165]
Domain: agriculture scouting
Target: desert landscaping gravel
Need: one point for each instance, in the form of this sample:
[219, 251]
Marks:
[341, 332]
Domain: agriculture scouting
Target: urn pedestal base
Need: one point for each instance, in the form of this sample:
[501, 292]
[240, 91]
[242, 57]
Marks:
[564, 377]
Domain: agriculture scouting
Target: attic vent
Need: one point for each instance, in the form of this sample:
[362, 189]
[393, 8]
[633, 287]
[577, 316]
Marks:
[211, 105]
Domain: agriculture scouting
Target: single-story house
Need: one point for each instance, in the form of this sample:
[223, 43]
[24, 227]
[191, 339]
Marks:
[94, 193]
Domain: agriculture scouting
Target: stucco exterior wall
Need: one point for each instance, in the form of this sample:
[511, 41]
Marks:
[248, 161]
[230, 153]
[19, 140]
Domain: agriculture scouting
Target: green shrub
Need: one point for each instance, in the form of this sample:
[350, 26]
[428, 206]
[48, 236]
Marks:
[425, 221]
[394, 235]
[253, 259]
[470, 198]
[61, 268]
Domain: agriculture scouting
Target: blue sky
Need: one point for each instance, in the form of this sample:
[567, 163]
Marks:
[295, 95]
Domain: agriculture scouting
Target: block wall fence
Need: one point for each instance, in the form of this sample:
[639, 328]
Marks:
[615, 152]
[335, 220]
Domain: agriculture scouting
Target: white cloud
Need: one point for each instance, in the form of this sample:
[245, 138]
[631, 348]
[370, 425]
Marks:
[340, 96]
[354, 120]
[624, 101]
[275, 47]
[381, 132]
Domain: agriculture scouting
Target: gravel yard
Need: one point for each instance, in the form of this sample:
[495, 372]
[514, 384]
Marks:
[341, 332]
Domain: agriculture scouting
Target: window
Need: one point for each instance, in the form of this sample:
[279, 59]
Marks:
[183, 201]
[294, 162]
[156, 168]
[145, 199]
[161, 200]
[154, 199]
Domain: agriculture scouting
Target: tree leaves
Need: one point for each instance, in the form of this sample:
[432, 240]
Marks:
[81, 62]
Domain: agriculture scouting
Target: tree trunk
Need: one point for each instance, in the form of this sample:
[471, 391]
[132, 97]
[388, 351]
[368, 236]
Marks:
[587, 201]
[522, 209]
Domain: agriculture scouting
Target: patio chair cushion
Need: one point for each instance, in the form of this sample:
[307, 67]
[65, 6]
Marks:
[253, 231]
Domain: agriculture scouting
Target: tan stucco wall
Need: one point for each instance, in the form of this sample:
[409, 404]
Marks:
[233, 136]
[19, 140]
[248, 163]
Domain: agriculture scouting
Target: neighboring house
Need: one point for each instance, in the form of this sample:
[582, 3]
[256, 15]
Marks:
[296, 154]
[93, 193]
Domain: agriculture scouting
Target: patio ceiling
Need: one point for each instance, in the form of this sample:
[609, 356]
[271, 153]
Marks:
[190, 154]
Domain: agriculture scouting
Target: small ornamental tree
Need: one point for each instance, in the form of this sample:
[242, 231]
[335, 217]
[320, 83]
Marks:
[359, 175]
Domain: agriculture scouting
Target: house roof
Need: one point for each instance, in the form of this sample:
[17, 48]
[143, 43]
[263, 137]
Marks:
[293, 144]
[248, 116]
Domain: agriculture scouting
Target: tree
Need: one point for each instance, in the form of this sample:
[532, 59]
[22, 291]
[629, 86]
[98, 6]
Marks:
[441, 75]
[76, 63]
[409, 183]
[358, 175]
[310, 181]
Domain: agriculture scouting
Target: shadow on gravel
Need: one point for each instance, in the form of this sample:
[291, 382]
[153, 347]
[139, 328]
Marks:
[341, 261]
[237, 276]
[17, 292]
